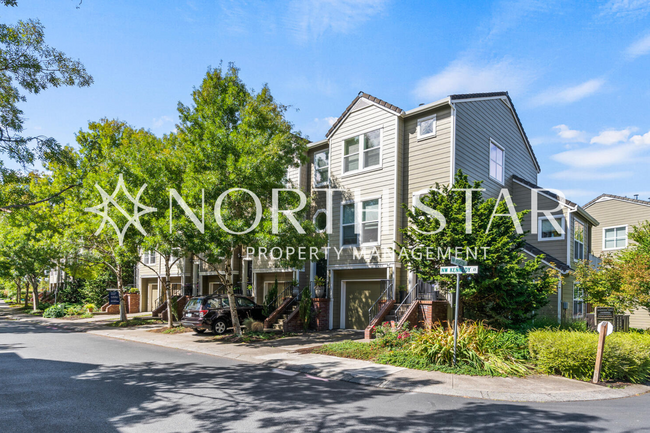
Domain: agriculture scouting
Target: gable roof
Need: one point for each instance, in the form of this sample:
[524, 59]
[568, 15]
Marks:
[618, 197]
[501, 95]
[559, 265]
[574, 207]
[369, 97]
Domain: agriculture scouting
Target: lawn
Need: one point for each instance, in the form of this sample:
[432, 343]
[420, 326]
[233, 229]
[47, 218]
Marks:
[136, 321]
[251, 337]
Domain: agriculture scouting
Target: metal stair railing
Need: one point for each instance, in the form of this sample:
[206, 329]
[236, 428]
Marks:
[386, 295]
[408, 299]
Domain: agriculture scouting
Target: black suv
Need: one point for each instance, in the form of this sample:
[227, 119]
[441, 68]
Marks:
[213, 312]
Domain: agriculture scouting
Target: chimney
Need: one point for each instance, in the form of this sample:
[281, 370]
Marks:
[636, 196]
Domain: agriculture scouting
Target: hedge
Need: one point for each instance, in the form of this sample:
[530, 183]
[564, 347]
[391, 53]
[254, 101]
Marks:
[573, 355]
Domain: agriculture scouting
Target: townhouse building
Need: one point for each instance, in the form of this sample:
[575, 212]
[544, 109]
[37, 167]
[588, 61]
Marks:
[617, 216]
[377, 156]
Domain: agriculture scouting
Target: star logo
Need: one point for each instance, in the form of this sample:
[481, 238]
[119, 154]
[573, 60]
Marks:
[138, 209]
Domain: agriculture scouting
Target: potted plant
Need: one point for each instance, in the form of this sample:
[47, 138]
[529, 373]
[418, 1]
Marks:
[319, 287]
[296, 289]
[249, 290]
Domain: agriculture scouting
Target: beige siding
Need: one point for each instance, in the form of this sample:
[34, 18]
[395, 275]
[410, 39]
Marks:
[640, 319]
[614, 213]
[476, 123]
[373, 183]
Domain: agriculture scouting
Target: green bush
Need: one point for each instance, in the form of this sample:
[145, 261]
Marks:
[479, 347]
[386, 336]
[55, 311]
[544, 322]
[573, 355]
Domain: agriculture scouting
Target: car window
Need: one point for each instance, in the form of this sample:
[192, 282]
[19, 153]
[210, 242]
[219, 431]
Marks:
[245, 302]
[214, 303]
[193, 304]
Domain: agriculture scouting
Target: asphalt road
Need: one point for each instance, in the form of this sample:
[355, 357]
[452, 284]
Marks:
[54, 380]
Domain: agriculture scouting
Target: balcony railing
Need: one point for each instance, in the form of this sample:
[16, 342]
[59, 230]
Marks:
[386, 287]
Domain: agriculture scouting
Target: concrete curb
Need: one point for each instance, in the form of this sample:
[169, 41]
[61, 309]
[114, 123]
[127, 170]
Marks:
[359, 372]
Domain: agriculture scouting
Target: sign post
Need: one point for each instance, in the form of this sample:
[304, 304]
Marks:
[460, 268]
[604, 329]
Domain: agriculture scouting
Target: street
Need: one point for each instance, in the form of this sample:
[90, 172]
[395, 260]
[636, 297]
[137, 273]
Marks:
[61, 381]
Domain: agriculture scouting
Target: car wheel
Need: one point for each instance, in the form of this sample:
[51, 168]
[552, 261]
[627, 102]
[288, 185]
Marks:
[219, 327]
[199, 331]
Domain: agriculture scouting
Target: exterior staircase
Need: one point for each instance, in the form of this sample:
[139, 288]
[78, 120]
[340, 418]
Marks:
[396, 313]
[279, 323]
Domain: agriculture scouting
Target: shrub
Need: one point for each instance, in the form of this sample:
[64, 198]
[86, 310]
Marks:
[305, 308]
[573, 355]
[134, 290]
[479, 347]
[386, 336]
[90, 307]
[257, 327]
[248, 323]
[552, 324]
[55, 311]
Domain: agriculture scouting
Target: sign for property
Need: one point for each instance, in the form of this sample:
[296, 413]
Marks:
[113, 297]
[604, 314]
[459, 270]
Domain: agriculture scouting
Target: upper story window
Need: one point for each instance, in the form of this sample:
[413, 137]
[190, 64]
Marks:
[369, 223]
[149, 258]
[362, 152]
[427, 127]
[320, 220]
[321, 167]
[578, 240]
[578, 301]
[546, 231]
[496, 162]
[614, 238]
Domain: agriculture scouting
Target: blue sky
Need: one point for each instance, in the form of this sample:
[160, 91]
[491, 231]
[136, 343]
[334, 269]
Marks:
[576, 71]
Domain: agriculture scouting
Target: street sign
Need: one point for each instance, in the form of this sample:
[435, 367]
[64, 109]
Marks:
[458, 262]
[113, 297]
[459, 270]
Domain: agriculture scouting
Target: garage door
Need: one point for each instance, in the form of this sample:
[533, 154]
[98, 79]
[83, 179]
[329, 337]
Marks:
[359, 297]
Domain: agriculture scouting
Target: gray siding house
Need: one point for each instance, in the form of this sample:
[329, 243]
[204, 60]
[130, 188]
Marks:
[617, 216]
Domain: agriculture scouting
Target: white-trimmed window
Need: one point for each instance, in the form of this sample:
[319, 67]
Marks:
[370, 222]
[149, 258]
[578, 240]
[546, 231]
[321, 167]
[496, 161]
[348, 233]
[614, 238]
[320, 220]
[362, 152]
[578, 301]
[427, 127]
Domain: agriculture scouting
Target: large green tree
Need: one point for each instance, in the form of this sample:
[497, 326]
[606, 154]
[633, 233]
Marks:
[509, 286]
[28, 64]
[234, 138]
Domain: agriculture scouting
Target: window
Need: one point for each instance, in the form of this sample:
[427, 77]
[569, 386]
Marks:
[149, 258]
[349, 237]
[427, 127]
[320, 220]
[578, 301]
[370, 221]
[245, 302]
[578, 240]
[546, 231]
[321, 167]
[614, 238]
[496, 162]
[362, 152]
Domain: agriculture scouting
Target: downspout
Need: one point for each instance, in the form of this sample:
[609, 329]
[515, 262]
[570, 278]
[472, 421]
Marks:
[559, 299]
[453, 144]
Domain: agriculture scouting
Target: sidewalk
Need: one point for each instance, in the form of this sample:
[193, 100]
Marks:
[281, 354]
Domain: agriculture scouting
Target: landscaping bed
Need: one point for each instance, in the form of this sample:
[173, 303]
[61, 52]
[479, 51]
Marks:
[251, 337]
[485, 351]
[173, 330]
[136, 321]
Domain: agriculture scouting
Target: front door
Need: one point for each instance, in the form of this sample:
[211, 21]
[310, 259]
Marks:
[359, 297]
[153, 296]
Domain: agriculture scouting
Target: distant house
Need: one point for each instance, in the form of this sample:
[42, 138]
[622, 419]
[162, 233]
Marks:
[617, 216]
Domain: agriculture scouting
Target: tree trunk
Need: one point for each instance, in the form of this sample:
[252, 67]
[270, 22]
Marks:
[19, 289]
[35, 293]
[236, 327]
[168, 293]
[120, 290]
[27, 293]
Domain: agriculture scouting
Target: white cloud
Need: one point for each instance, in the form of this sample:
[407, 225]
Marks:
[312, 18]
[568, 95]
[641, 139]
[462, 76]
[626, 8]
[329, 120]
[608, 151]
[612, 136]
[590, 175]
[638, 48]
[579, 194]
[159, 122]
[570, 135]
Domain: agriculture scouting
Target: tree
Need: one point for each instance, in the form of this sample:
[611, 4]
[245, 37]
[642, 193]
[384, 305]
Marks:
[236, 139]
[509, 287]
[27, 63]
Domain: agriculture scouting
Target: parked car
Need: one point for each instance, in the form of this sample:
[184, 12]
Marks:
[213, 312]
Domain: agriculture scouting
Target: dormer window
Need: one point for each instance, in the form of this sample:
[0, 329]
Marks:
[321, 168]
[362, 152]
